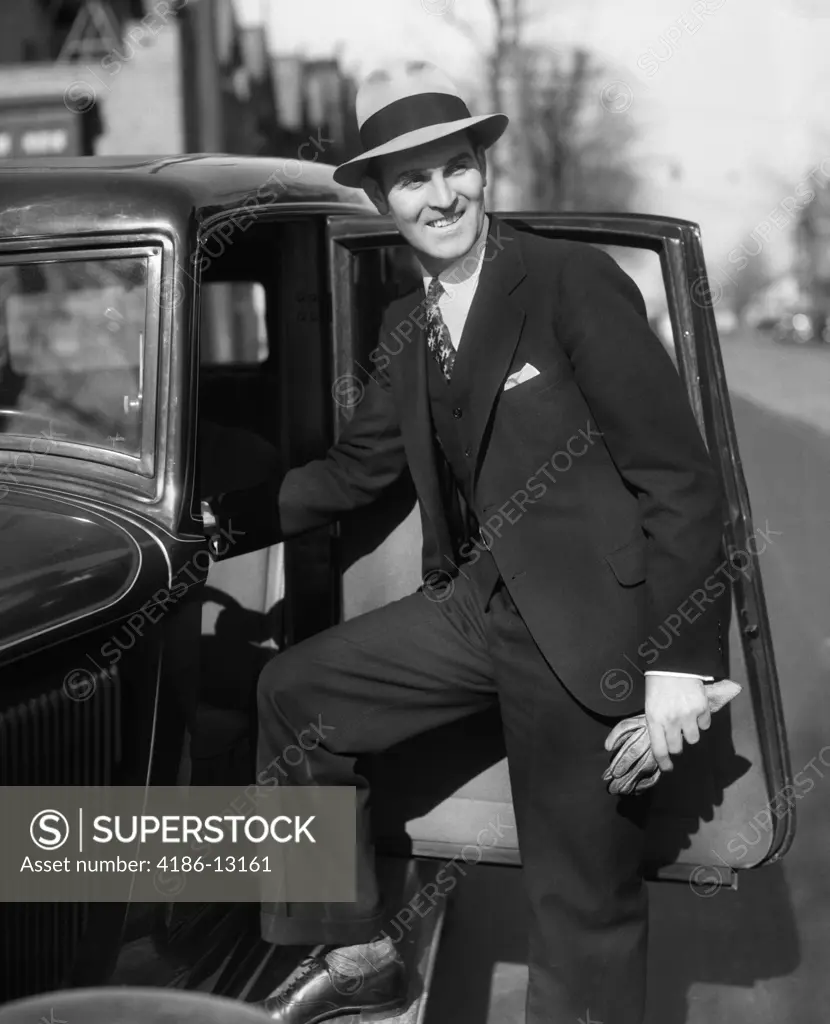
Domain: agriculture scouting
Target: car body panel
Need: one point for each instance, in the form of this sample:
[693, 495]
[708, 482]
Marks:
[69, 567]
[56, 566]
[90, 668]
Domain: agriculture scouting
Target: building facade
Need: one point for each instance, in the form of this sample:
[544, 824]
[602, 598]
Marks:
[136, 77]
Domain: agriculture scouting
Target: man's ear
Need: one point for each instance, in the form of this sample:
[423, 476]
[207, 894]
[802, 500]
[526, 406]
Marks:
[481, 157]
[373, 190]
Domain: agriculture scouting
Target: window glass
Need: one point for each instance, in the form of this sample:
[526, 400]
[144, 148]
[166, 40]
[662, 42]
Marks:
[71, 340]
[643, 266]
[233, 327]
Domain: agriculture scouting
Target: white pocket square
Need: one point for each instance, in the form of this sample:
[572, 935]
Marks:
[520, 376]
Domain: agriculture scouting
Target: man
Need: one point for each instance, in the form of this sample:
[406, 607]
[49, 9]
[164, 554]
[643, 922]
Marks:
[529, 377]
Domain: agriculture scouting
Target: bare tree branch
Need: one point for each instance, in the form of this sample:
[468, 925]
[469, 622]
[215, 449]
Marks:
[465, 28]
[574, 151]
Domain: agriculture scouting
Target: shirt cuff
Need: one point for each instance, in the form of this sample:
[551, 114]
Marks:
[682, 675]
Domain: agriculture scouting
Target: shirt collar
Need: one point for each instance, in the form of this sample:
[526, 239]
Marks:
[463, 274]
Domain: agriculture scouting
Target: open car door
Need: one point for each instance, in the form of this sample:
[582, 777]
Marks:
[724, 807]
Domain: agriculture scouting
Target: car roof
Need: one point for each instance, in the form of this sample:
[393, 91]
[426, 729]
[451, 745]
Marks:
[48, 196]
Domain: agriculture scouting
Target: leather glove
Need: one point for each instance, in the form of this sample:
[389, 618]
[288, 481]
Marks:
[634, 768]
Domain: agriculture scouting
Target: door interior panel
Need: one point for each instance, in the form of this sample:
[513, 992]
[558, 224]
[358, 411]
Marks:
[239, 437]
[264, 405]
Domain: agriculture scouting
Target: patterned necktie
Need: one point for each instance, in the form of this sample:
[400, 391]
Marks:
[438, 334]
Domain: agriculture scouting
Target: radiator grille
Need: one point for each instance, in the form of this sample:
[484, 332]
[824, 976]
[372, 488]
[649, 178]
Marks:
[53, 740]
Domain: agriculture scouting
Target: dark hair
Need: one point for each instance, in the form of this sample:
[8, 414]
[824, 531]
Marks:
[372, 170]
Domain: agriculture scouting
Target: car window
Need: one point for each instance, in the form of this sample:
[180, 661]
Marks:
[233, 327]
[71, 338]
[643, 266]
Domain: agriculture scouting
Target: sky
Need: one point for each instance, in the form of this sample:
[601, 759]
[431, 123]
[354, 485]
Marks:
[733, 93]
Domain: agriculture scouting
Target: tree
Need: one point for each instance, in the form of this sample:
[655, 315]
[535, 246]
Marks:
[498, 56]
[812, 243]
[566, 150]
[746, 282]
[577, 148]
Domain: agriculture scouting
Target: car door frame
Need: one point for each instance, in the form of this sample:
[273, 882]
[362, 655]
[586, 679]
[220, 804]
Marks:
[678, 246]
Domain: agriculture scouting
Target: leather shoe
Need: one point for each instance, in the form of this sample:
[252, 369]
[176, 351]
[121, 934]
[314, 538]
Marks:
[319, 992]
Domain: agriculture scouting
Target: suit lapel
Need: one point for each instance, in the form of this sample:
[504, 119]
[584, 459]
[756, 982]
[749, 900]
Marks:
[416, 417]
[493, 328]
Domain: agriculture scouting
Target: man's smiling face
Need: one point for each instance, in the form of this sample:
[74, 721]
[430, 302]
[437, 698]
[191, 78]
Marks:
[435, 194]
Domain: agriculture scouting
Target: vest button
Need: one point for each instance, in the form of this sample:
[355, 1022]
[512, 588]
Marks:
[468, 452]
[457, 412]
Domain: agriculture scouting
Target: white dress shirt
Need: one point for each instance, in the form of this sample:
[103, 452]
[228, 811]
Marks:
[460, 281]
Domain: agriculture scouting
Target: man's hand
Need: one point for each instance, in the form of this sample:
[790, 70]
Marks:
[634, 767]
[676, 708]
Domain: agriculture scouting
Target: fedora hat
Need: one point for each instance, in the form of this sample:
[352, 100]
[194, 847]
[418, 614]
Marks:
[401, 108]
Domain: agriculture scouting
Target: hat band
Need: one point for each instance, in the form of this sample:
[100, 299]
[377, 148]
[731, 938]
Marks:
[409, 114]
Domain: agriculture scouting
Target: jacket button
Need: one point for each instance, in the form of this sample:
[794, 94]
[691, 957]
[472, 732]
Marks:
[468, 452]
[457, 412]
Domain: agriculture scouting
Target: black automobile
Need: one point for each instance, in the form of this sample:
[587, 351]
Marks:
[175, 328]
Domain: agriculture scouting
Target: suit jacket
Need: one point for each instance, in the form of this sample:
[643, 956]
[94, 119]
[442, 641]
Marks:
[604, 510]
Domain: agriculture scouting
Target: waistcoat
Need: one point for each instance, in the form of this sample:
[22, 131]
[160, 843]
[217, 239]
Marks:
[448, 406]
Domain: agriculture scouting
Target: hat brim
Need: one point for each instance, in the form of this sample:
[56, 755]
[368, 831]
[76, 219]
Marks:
[487, 129]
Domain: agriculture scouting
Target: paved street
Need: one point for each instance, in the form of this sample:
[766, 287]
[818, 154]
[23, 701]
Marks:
[759, 955]
[791, 380]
